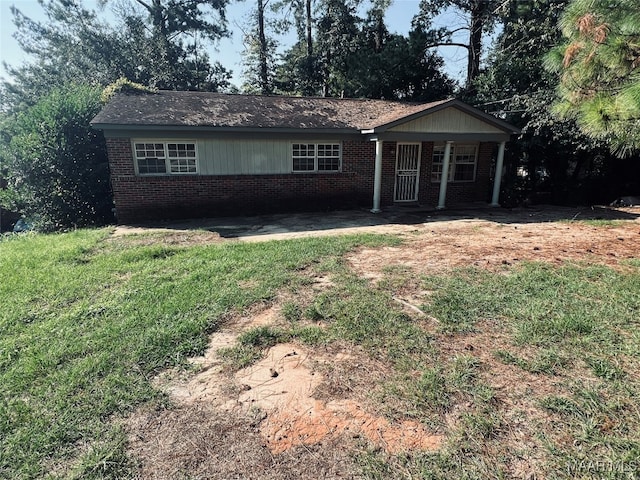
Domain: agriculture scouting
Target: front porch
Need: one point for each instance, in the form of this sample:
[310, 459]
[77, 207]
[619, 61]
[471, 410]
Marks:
[411, 172]
[449, 150]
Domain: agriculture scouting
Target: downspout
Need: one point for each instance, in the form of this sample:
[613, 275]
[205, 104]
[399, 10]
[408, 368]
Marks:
[497, 177]
[377, 178]
[444, 178]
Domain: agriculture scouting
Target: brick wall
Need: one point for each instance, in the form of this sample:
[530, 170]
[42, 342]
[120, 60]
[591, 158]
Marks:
[140, 198]
[162, 197]
[458, 192]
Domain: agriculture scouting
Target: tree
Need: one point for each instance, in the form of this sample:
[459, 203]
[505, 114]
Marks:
[480, 18]
[599, 70]
[394, 67]
[54, 163]
[313, 65]
[360, 58]
[553, 156]
[174, 22]
[298, 72]
[74, 45]
[259, 53]
[338, 28]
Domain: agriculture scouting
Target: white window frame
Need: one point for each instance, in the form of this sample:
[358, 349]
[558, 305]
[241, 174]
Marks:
[453, 161]
[167, 159]
[315, 156]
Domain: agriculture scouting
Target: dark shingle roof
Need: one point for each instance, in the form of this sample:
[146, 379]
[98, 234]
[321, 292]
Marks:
[200, 109]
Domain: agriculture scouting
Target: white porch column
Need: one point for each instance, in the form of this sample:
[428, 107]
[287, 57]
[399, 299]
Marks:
[445, 176]
[377, 178]
[497, 178]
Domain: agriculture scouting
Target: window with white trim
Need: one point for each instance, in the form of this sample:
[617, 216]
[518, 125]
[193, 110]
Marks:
[160, 158]
[462, 163]
[316, 157]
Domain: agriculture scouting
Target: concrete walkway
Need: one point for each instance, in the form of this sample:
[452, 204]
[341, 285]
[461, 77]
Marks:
[393, 221]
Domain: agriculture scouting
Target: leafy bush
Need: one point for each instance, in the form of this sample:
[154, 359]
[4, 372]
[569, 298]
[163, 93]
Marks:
[54, 163]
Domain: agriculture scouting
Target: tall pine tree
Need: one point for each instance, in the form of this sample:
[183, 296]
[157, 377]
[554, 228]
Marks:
[598, 64]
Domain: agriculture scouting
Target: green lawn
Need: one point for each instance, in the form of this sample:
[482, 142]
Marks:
[87, 320]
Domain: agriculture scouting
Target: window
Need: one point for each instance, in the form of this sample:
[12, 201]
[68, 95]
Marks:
[182, 157]
[168, 157]
[150, 158]
[316, 157]
[462, 163]
[304, 157]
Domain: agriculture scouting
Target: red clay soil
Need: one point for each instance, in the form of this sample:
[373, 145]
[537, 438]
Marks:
[285, 429]
[441, 246]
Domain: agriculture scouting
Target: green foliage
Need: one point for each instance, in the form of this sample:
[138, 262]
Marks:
[560, 163]
[359, 58]
[124, 85]
[598, 69]
[172, 43]
[55, 164]
[152, 45]
[298, 73]
[397, 69]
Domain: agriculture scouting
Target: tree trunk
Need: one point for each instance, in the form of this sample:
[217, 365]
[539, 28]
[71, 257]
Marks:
[478, 18]
[265, 89]
[309, 33]
[379, 35]
[164, 73]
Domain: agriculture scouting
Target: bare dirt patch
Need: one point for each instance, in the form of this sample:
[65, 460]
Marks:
[287, 410]
[198, 441]
[445, 245]
[283, 386]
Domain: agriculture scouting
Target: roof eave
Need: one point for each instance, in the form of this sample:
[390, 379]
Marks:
[199, 128]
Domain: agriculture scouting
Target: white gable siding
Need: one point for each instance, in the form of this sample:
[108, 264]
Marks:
[448, 120]
[239, 157]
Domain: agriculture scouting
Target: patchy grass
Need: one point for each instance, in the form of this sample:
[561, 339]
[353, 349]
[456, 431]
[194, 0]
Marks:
[597, 222]
[547, 361]
[87, 320]
[572, 331]
[251, 345]
[529, 372]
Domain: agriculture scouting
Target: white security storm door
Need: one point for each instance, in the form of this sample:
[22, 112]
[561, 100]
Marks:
[407, 172]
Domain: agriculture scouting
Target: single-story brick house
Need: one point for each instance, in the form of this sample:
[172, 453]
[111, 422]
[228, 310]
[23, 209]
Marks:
[193, 154]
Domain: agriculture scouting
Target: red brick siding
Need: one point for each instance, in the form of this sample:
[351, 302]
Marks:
[459, 192]
[140, 198]
[388, 172]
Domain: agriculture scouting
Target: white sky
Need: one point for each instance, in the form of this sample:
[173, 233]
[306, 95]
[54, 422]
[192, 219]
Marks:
[229, 50]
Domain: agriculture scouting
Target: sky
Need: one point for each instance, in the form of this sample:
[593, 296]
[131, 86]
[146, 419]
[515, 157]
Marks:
[228, 51]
